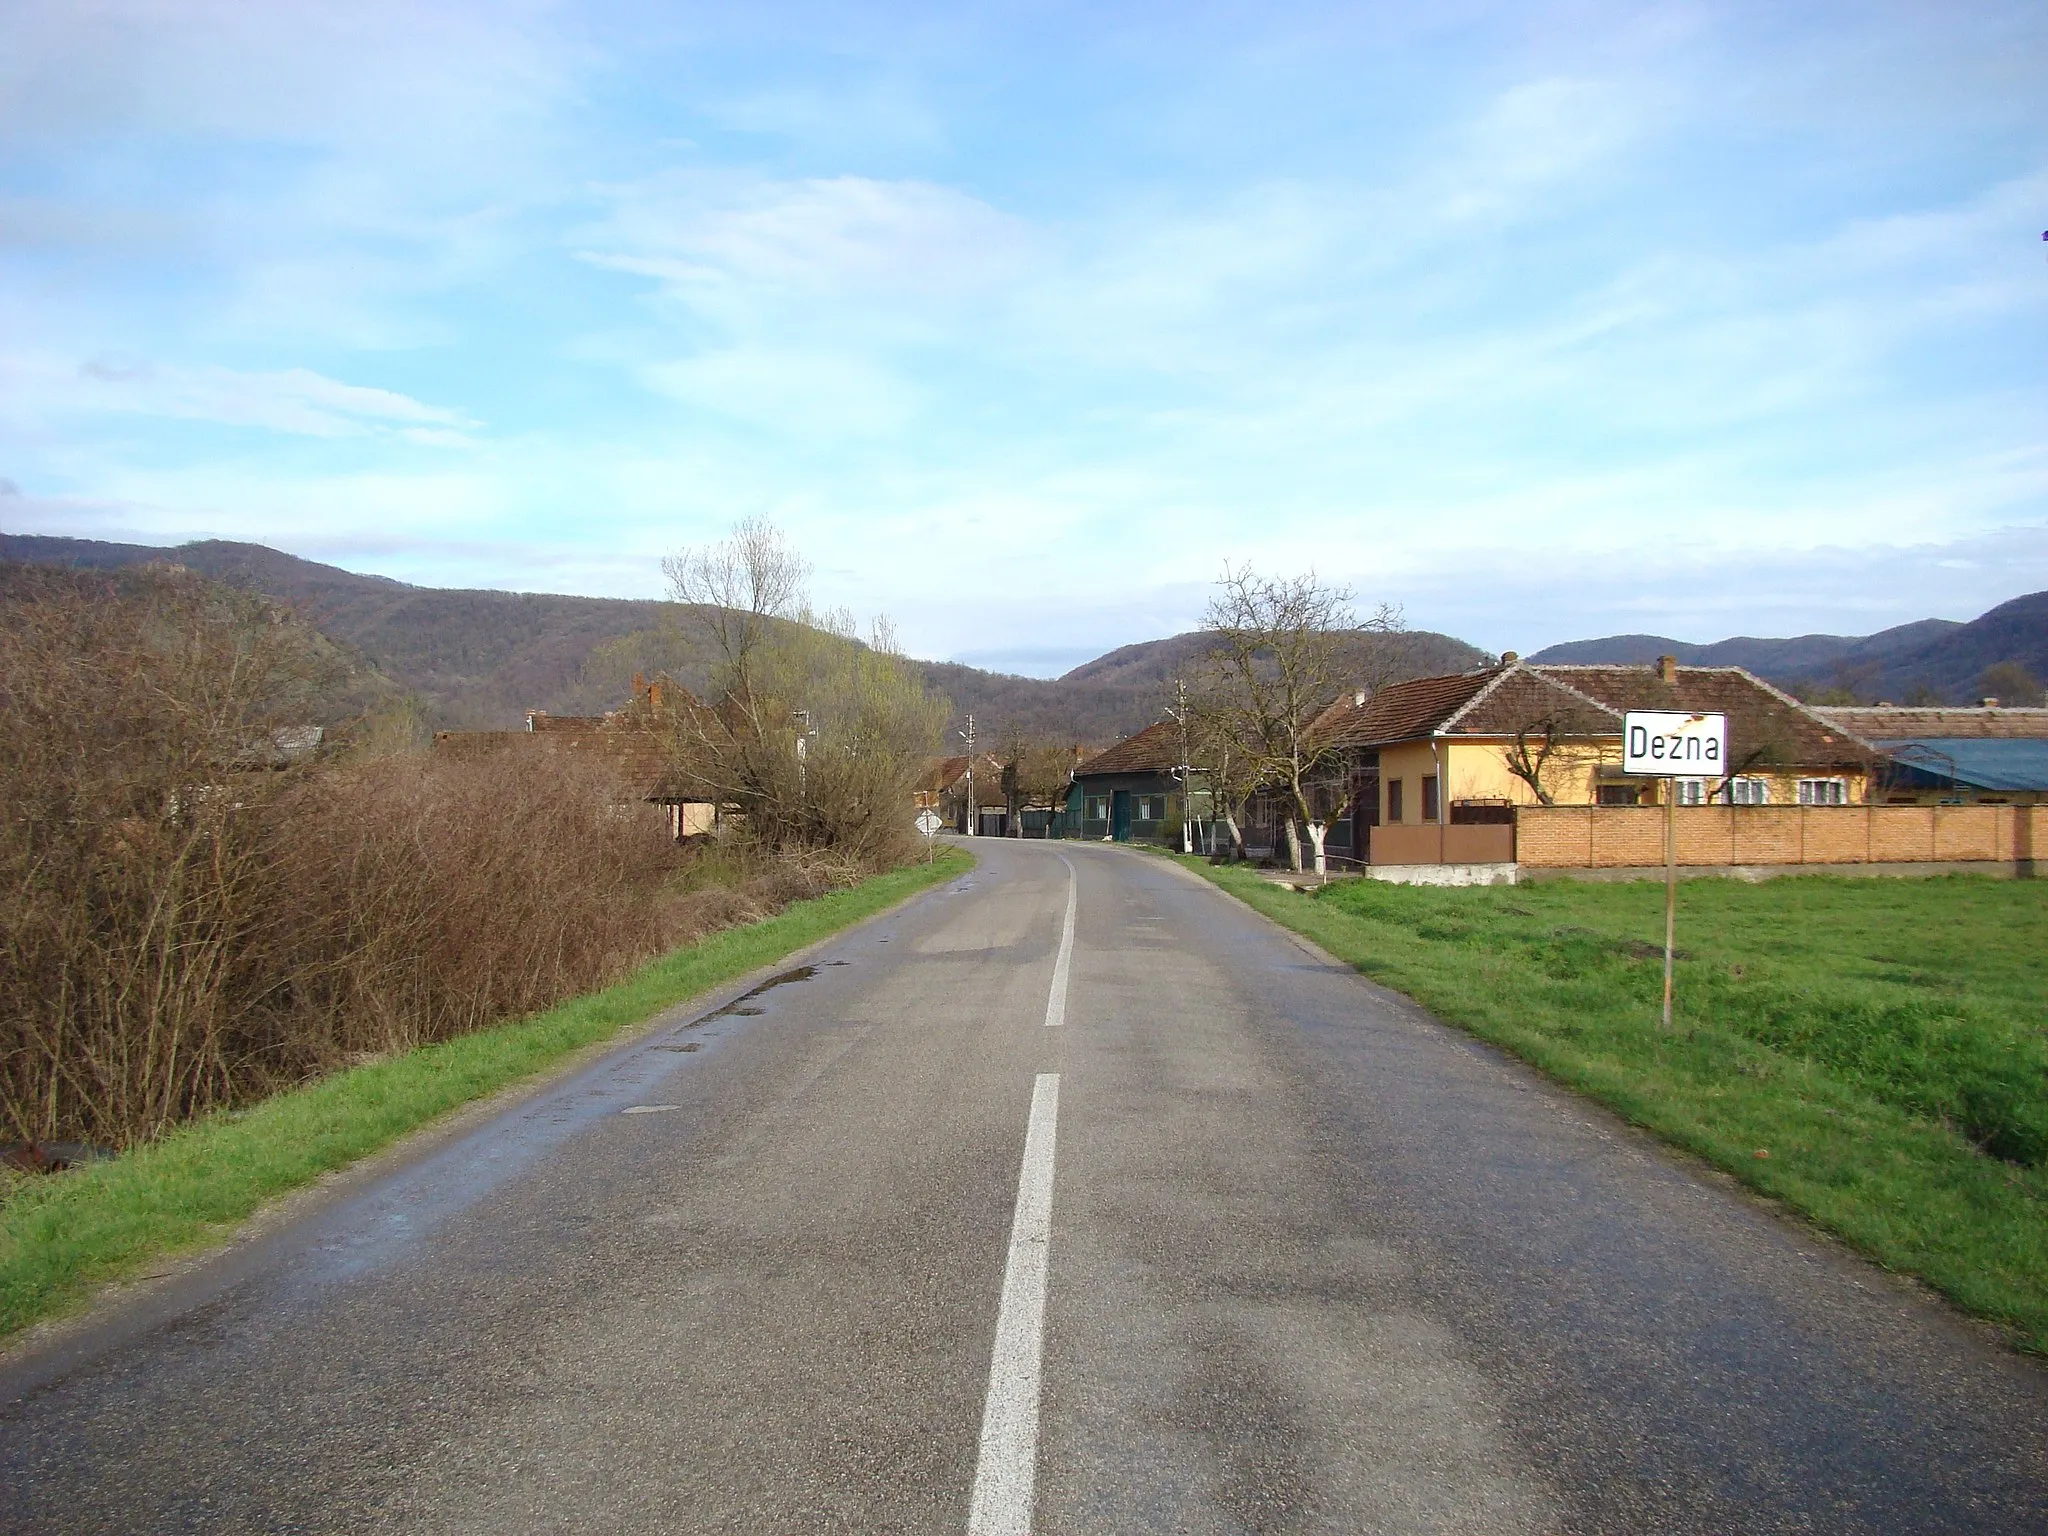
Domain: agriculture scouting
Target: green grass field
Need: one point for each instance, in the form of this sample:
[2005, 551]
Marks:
[1874, 1053]
[62, 1234]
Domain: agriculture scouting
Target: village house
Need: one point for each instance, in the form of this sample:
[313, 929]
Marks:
[637, 740]
[1132, 791]
[946, 789]
[1463, 751]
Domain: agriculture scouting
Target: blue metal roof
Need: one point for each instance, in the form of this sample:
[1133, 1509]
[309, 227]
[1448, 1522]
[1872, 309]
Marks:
[1973, 763]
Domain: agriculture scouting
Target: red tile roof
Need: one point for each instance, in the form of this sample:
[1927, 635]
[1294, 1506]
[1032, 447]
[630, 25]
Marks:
[1892, 722]
[1765, 726]
[945, 772]
[1155, 749]
[639, 741]
[1399, 711]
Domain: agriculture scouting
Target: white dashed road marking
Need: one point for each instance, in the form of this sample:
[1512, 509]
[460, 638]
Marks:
[1006, 1472]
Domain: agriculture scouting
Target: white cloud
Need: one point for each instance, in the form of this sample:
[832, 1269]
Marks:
[808, 393]
[836, 236]
[870, 114]
[296, 401]
[1537, 139]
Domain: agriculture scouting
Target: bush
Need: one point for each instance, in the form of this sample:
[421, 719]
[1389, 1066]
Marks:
[187, 922]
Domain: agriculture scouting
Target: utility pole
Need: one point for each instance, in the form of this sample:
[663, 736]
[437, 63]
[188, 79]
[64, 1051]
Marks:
[973, 820]
[802, 754]
[1184, 771]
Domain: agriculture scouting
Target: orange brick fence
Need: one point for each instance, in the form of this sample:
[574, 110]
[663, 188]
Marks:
[1616, 837]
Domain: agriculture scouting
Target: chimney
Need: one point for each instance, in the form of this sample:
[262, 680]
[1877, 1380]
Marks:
[1667, 668]
[639, 684]
[1509, 658]
[1358, 699]
[1987, 703]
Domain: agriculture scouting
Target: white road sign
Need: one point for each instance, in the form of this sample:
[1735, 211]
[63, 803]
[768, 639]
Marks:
[928, 823]
[1663, 744]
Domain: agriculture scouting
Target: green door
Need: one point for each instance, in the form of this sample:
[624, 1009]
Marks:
[1120, 815]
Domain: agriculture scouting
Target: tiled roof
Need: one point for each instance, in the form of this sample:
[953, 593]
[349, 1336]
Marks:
[638, 741]
[945, 772]
[1399, 711]
[1765, 726]
[1891, 722]
[1522, 698]
[1155, 749]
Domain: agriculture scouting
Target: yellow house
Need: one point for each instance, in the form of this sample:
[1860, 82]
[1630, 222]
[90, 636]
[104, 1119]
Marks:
[1464, 750]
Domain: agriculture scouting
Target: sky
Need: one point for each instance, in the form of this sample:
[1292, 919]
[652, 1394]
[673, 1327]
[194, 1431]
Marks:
[1540, 320]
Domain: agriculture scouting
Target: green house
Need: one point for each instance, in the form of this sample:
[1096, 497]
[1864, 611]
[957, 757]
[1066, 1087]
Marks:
[1131, 792]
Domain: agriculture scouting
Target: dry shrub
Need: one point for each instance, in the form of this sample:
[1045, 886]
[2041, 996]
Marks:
[415, 898]
[137, 721]
[185, 924]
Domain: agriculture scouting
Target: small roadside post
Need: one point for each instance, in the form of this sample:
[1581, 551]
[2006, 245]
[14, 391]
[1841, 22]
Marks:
[928, 824]
[1670, 745]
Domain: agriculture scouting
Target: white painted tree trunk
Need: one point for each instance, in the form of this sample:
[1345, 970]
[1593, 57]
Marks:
[1293, 845]
[1317, 831]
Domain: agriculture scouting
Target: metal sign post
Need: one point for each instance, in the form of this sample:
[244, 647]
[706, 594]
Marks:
[1667, 745]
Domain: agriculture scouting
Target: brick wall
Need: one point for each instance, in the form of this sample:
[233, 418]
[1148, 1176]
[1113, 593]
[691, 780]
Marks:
[1610, 837]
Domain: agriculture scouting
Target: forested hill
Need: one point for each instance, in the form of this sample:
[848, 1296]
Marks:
[476, 659]
[480, 659]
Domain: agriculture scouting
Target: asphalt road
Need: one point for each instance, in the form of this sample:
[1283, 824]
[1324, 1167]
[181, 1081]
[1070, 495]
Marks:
[1288, 1256]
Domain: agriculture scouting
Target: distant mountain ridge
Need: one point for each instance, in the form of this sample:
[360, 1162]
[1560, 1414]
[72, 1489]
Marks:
[1800, 656]
[481, 658]
[475, 658]
[1938, 657]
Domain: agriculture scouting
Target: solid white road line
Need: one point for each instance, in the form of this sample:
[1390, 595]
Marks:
[1006, 1472]
[1056, 1000]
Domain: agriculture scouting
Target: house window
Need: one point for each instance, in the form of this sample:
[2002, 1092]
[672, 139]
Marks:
[1747, 792]
[1148, 807]
[1394, 800]
[1098, 807]
[1429, 799]
[1618, 794]
[1823, 792]
[1690, 791]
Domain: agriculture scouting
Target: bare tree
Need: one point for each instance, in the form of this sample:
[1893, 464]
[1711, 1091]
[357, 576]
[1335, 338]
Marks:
[818, 736]
[1281, 649]
[1230, 771]
[1547, 743]
[2010, 683]
[743, 585]
[1031, 773]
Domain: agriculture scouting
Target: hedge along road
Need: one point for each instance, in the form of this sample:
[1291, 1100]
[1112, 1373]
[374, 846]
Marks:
[1217, 1237]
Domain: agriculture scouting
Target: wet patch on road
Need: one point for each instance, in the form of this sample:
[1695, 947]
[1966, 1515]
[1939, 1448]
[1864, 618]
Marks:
[742, 1006]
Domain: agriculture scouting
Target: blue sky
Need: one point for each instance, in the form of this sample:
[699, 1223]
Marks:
[1541, 320]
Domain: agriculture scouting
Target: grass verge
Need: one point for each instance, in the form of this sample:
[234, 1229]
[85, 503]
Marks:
[62, 1235]
[1873, 1053]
